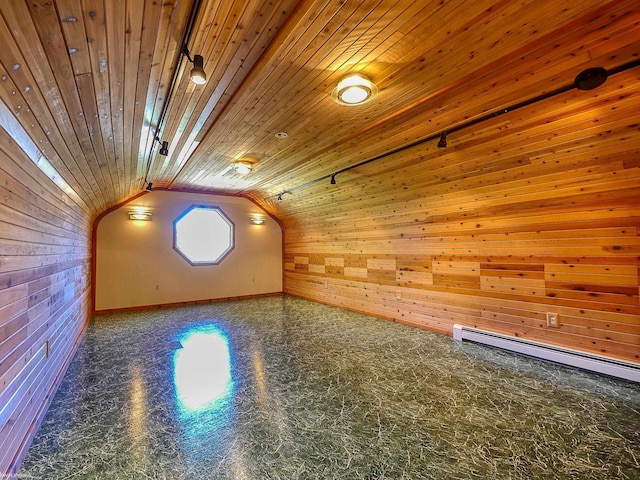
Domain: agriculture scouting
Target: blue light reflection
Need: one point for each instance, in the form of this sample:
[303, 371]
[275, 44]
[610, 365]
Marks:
[202, 370]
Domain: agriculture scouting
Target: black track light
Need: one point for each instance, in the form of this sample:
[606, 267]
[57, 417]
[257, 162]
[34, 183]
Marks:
[333, 179]
[279, 197]
[590, 78]
[149, 186]
[198, 75]
[442, 143]
[164, 149]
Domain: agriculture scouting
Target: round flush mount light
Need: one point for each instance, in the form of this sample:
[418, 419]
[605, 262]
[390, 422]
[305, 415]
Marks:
[281, 135]
[243, 168]
[354, 89]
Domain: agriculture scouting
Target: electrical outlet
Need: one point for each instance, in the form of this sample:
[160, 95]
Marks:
[552, 320]
[398, 296]
[326, 284]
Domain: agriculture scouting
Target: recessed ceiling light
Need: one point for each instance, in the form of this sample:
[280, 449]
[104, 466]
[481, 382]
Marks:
[281, 135]
[354, 89]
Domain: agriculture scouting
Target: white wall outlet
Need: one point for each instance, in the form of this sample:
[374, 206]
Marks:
[552, 320]
[398, 296]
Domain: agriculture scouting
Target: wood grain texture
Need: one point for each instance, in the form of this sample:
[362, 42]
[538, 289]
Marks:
[98, 75]
[492, 248]
[44, 293]
[533, 211]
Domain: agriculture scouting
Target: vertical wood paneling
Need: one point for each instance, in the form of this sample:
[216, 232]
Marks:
[44, 293]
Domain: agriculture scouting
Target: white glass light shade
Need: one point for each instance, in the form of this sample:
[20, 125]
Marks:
[354, 89]
[140, 215]
[243, 168]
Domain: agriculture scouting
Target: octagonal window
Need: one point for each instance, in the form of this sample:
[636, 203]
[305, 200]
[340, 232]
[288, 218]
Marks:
[203, 235]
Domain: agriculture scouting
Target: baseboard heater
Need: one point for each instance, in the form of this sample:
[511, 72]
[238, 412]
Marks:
[574, 358]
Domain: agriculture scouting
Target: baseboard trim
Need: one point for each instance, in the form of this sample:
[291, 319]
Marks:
[554, 353]
[185, 303]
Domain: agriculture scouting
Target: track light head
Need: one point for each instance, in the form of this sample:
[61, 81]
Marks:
[442, 143]
[164, 149]
[590, 78]
[149, 186]
[333, 179]
[198, 75]
[279, 197]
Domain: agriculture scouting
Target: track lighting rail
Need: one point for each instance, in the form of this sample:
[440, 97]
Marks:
[585, 80]
[186, 38]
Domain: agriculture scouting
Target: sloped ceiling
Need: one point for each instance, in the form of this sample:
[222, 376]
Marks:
[90, 85]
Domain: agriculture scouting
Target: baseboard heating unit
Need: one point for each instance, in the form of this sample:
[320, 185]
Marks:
[574, 358]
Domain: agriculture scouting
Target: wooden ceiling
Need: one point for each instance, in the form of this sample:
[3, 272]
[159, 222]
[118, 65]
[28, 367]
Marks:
[87, 85]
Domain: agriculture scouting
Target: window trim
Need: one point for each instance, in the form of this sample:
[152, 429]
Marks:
[223, 256]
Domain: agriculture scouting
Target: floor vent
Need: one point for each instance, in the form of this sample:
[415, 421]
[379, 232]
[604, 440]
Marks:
[596, 363]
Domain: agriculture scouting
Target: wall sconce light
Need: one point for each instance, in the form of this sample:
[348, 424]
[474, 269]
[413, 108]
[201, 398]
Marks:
[243, 168]
[140, 215]
[198, 75]
[354, 89]
[256, 220]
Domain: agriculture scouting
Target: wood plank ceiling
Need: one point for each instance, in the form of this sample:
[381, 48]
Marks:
[92, 83]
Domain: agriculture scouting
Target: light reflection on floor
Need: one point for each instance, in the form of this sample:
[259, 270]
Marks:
[282, 388]
[202, 370]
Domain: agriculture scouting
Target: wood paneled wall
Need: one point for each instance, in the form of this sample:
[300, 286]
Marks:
[44, 293]
[522, 215]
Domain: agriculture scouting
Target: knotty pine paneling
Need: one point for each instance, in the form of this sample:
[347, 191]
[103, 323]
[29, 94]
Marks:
[44, 294]
[522, 215]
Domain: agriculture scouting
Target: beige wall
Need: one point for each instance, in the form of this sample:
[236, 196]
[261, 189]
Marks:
[136, 264]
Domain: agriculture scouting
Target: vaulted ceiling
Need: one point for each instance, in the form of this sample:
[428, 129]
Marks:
[87, 87]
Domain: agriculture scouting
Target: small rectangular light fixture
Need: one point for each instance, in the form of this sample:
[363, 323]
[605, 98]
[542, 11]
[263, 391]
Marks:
[138, 215]
[256, 220]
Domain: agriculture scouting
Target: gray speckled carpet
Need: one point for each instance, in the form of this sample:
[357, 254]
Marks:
[284, 388]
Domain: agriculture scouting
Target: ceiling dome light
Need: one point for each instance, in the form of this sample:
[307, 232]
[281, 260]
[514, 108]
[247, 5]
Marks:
[354, 89]
[198, 75]
[243, 168]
